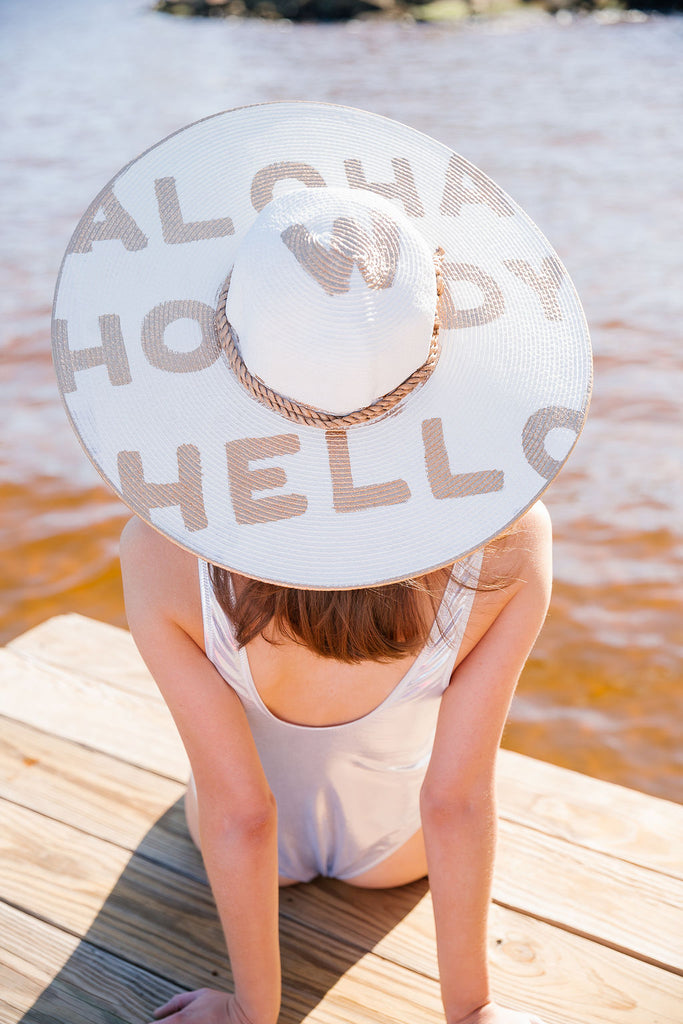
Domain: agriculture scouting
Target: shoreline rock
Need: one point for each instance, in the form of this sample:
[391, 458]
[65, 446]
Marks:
[412, 10]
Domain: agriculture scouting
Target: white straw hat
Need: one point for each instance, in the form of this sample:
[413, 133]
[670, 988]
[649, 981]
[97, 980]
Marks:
[317, 347]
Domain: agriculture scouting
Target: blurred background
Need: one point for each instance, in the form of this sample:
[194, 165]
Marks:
[576, 115]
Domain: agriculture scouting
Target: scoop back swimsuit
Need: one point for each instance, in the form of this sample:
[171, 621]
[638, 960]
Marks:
[347, 795]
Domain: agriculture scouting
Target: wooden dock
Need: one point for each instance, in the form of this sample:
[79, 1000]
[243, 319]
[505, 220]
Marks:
[105, 911]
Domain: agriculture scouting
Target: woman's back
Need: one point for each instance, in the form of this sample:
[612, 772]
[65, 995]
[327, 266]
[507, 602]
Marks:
[296, 684]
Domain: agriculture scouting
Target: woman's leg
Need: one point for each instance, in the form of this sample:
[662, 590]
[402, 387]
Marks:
[404, 865]
[192, 819]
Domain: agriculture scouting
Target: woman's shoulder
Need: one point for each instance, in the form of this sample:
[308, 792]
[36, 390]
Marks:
[523, 553]
[160, 579]
[516, 571]
[144, 548]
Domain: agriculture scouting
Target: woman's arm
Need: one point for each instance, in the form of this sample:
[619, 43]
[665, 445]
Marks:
[458, 795]
[237, 815]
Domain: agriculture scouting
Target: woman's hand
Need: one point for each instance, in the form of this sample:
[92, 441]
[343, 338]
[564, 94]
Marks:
[491, 1013]
[203, 1006]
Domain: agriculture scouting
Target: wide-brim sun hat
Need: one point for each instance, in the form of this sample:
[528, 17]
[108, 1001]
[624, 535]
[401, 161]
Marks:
[317, 347]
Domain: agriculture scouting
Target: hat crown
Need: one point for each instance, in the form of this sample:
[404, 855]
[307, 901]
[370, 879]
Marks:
[332, 298]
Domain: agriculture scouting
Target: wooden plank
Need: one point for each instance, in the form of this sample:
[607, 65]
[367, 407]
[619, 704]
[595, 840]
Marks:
[161, 921]
[54, 871]
[591, 984]
[589, 894]
[621, 904]
[87, 985]
[87, 647]
[95, 793]
[583, 880]
[331, 983]
[568, 968]
[125, 725]
[24, 976]
[590, 812]
[66, 979]
[50, 976]
[532, 963]
[166, 923]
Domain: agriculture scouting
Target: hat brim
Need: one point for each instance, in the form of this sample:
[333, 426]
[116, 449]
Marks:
[162, 417]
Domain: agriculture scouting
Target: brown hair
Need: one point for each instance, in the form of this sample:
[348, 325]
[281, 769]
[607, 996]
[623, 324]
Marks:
[371, 624]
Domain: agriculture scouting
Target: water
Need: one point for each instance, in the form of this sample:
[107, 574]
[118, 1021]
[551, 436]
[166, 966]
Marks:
[578, 121]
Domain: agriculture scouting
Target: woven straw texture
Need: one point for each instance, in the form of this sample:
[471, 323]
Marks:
[158, 407]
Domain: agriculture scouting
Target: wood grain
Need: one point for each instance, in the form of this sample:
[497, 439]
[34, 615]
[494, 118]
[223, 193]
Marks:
[51, 977]
[105, 911]
[379, 943]
[592, 813]
[125, 725]
[613, 901]
[95, 792]
[86, 646]
[620, 904]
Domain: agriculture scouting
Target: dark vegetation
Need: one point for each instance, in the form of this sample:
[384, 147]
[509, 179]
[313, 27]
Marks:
[418, 10]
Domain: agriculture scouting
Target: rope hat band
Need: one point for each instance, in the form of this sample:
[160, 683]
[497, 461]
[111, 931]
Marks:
[349, 308]
[308, 414]
[253, 362]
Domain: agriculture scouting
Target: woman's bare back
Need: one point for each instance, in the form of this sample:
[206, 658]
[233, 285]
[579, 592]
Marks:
[296, 684]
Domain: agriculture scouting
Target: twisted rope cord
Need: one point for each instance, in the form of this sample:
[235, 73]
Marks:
[308, 414]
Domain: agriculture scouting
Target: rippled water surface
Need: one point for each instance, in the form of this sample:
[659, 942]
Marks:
[579, 122]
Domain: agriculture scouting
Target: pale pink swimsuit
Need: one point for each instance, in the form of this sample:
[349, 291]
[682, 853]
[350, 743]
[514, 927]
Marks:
[347, 795]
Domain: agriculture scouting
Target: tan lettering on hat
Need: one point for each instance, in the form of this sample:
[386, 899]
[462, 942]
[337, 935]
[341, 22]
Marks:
[244, 480]
[346, 496]
[111, 353]
[445, 484]
[402, 188]
[266, 179]
[537, 428]
[117, 224]
[186, 491]
[546, 284]
[376, 255]
[479, 189]
[492, 306]
[164, 358]
[174, 229]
